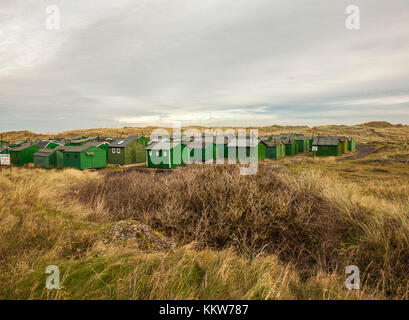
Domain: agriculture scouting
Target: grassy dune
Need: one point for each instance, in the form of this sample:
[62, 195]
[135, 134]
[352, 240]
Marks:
[285, 233]
[367, 132]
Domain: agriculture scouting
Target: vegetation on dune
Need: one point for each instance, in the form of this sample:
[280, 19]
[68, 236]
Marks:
[286, 233]
[310, 220]
[281, 234]
[371, 132]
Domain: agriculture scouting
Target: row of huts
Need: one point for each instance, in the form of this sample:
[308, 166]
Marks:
[166, 152]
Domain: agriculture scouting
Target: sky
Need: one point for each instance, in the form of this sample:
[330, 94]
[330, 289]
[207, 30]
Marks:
[213, 63]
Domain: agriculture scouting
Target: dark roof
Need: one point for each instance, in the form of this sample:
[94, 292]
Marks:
[286, 140]
[24, 146]
[162, 145]
[44, 152]
[44, 143]
[199, 144]
[121, 143]
[243, 141]
[326, 141]
[17, 143]
[272, 143]
[80, 148]
[106, 139]
[225, 139]
[83, 140]
[287, 135]
[301, 137]
[342, 138]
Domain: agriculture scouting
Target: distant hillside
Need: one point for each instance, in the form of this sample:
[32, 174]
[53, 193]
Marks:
[366, 132]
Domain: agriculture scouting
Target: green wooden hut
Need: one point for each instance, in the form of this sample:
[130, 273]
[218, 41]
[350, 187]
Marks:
[202, 151]
[23, 154]
[310, 141]
[327, 146]
[91, 155]
[351, 144]
[48, 158]
[302, 143]
[290, 145]
[127, 151]
[241, 148]
[344, 144]
[166, 154]
[221, 142]
[275, 149]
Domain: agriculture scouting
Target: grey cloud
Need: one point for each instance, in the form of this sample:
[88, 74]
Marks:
[277, 60]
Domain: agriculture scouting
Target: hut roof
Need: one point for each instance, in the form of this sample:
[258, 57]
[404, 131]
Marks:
[81, 148]
[287, 135]
[24, 146]
[326, 141]
[44, 152]
[81, 140]
[224, 139]
[286, 140]
[243, 141]
[2, 148]
[162, 145]
[272, 143]
[300, 137]
[197, 144]
[19, 142]
[45, 143]
[122, 143]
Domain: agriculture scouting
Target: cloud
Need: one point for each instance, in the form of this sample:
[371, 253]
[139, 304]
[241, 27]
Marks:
[212, 62]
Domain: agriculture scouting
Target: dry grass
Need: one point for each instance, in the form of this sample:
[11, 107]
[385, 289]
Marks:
[217, 208]
[316, 222]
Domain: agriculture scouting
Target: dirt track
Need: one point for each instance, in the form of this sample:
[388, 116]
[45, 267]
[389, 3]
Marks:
[363, 150]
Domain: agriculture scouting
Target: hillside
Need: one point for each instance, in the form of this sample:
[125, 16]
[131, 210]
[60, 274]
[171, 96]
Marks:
[368, 132]
[205, 232]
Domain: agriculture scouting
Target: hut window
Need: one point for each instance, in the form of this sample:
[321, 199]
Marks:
[157, 153]
[118, 150]
[75, 156]
[68, 155]
[113, 150]
[165, 154]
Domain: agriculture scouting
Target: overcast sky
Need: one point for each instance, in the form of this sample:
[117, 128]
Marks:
[216, 62]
